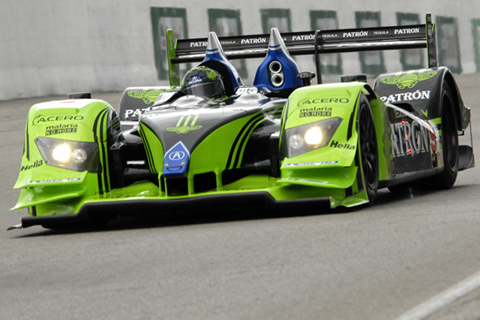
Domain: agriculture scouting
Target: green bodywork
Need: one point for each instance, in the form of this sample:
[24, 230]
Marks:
[53, 190]
[330, 172]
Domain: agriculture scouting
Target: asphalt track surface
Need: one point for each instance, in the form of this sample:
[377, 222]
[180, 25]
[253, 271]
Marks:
[413, 257]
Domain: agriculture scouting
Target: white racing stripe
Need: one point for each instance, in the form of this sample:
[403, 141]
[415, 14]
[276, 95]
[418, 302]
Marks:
[441, 300]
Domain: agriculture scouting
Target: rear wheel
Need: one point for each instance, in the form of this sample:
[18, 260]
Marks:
[446, 179]
[368, 149]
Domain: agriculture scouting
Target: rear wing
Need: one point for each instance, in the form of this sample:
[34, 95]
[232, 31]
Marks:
[309, 42]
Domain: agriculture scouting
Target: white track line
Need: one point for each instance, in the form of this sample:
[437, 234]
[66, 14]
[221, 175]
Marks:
[441, 300]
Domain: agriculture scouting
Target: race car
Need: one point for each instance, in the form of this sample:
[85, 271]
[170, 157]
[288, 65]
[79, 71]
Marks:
[210, 139]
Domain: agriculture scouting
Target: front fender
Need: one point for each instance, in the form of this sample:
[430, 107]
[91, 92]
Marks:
[312, 106]
[86, 124]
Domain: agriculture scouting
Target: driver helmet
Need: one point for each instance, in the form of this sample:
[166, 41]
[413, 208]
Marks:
[203, 82]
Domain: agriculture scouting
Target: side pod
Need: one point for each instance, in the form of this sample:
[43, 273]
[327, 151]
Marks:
[421, 92]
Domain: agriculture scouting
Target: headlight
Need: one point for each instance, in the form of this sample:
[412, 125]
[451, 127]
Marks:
[313, 136]
[73, 155]
[310, 136]
[79, 155]
[61, 152]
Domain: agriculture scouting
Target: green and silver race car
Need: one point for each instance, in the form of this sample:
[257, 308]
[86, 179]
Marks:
[209, 139]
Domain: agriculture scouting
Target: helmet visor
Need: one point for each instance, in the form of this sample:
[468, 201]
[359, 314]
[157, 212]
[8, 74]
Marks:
[210, 89]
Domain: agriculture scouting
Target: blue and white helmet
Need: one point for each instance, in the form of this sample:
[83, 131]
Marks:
[203, 82]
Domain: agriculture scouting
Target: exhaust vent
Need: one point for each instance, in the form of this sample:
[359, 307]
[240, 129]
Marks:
[277, 78]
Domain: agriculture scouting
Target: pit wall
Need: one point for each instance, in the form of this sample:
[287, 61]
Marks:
[53, 47]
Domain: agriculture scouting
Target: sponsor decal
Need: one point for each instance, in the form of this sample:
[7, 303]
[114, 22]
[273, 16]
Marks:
[407, 31]
[185, 128]
[36, 164]
[304, 37]
[194, 79]
[54, 181]
[247, 90]
[147, 95]
[321, 163]
[226, 43]
[61, 128]
[410, 138]
[408, 80]
[407, 96]
[355, 34]
[305, 180]
[329, 35]
[381, 32]
[176, 160]
[136, 112]
[176, 155]
[197, 44]
[316, 112]
[40, 119]
[337, 145]
[306, 102]
[398, 114]
[254, 40]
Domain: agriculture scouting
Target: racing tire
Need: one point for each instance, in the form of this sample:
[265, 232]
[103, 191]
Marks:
[368, 149]
[446, 179]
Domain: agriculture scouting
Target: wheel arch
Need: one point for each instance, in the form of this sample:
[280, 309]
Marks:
[462, 120]
[420, 91]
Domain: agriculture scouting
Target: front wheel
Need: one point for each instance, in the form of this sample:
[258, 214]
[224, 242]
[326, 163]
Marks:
[368, 149]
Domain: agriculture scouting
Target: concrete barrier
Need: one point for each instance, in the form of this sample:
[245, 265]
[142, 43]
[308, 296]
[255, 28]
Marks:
[52, 47]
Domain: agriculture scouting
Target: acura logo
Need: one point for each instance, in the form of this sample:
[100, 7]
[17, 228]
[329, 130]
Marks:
[177, 155]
